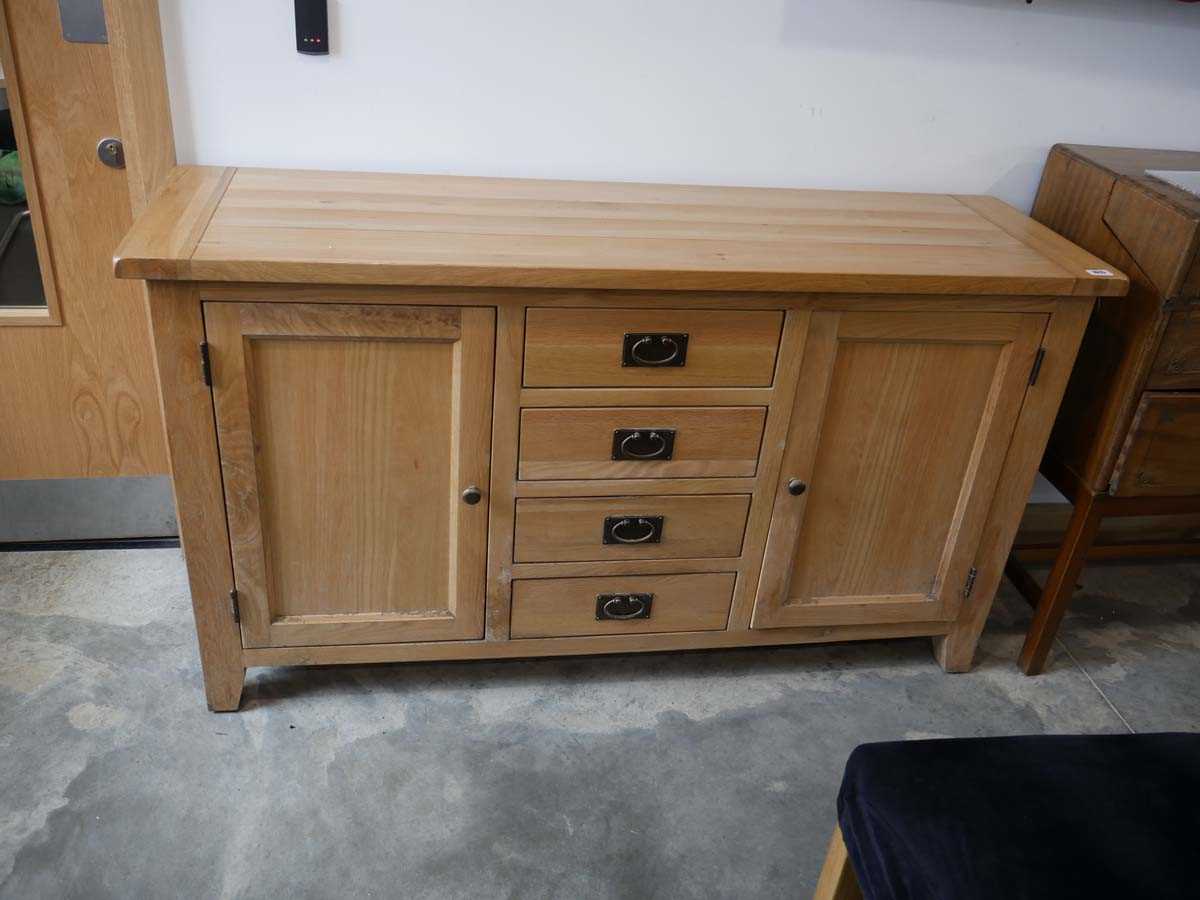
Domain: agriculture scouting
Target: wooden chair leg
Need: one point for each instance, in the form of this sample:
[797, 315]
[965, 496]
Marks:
[1081, 531]
[837, 881]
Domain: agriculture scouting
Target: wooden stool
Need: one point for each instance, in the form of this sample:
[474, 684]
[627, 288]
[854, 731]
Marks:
[1127, 438]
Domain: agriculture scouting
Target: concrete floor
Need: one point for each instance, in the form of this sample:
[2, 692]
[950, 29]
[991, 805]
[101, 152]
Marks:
[689, 775]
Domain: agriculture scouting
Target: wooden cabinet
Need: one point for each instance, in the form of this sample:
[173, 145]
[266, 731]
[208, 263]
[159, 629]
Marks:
[1127, 440]
[814, 417]
[348, 435]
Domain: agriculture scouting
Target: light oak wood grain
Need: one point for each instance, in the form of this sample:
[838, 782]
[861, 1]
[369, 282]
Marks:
[581, 646]
[578, 443]
[347, 435]
[899, 432]
[143, 103]
[567, 607]
[187, 410]
[534, 398]
[173, 224]
[616, 487]
[361, 228]
[1069, 256]
[561, 529]
[621, 567]
[899, 410]
[779, 415]
[510, 345]
[955, 651]
[408, 295]
[582, 348]
[86, 403]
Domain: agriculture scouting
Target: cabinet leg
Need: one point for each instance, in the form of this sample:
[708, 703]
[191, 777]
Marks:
[955, 652]
[1052, 605]
[223, 688]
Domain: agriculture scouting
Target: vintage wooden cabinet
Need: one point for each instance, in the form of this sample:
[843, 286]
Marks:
[1127, 440]
[416, 418]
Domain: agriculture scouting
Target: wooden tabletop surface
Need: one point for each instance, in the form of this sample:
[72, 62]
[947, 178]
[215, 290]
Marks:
[266, 225]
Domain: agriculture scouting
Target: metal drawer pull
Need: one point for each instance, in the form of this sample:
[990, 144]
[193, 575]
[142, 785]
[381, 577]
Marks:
[633, 529]
[650, 349]
[643, 443]
[620, 607]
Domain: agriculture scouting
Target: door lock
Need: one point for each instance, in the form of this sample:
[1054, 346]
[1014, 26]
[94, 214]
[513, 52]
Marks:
[111, 152]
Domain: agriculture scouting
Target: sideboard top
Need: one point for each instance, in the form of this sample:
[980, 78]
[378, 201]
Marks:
[267, 225]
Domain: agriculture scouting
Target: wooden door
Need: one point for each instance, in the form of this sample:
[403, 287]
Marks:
[899, 430]
[79, 397]
[348, 435]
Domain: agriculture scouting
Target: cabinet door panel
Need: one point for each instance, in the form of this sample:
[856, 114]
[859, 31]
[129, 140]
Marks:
[899, 431]
[347, 435]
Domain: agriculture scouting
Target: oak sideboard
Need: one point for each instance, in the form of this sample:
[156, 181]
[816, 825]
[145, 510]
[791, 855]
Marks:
[437, 418]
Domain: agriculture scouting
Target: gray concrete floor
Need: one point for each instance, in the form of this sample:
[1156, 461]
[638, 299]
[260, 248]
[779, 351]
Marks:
[688, 775]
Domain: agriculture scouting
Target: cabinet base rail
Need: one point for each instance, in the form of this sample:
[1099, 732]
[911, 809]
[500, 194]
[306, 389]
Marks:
[351, 654]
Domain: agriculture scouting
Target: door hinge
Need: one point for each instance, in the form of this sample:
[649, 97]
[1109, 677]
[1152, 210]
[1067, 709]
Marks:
[235, 607]
[205, 363]
[972, 574]
[1037, 365]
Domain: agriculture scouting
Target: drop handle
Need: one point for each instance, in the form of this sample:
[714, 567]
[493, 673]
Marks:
[796, 487]
[472, 495]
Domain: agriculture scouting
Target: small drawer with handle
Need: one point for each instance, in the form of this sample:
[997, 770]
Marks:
[640, 442]
[1177, 366]
[634, 604]
[651, 348]
[1161, 456]
[586, 529]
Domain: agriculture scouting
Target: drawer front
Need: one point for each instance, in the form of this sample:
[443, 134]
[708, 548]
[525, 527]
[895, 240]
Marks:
[640, 442]
[1177, 365]
[573, 607]
[1162, 453]
[650, 348]
[584, 529]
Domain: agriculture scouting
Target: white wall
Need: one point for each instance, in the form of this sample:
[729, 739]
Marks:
[940, 95]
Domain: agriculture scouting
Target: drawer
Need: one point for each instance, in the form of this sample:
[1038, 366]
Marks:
[567, 607]
[648, 442]
[650, 348]
[582, 529]
[1161, 457]
[1178, 362]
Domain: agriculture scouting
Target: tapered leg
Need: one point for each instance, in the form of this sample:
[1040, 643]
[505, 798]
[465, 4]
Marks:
[1081, 531]
[837, 880]
[178, 329]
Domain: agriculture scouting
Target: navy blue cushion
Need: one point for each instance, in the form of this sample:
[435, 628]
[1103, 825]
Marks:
[1099, 816]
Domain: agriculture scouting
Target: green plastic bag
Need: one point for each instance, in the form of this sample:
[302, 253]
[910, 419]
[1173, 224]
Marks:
[12, 183]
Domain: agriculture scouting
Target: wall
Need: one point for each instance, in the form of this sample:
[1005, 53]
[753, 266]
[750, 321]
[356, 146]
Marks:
[945, 95]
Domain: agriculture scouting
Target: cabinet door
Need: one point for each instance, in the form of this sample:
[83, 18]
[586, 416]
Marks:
[900, 427]
[347, 437]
